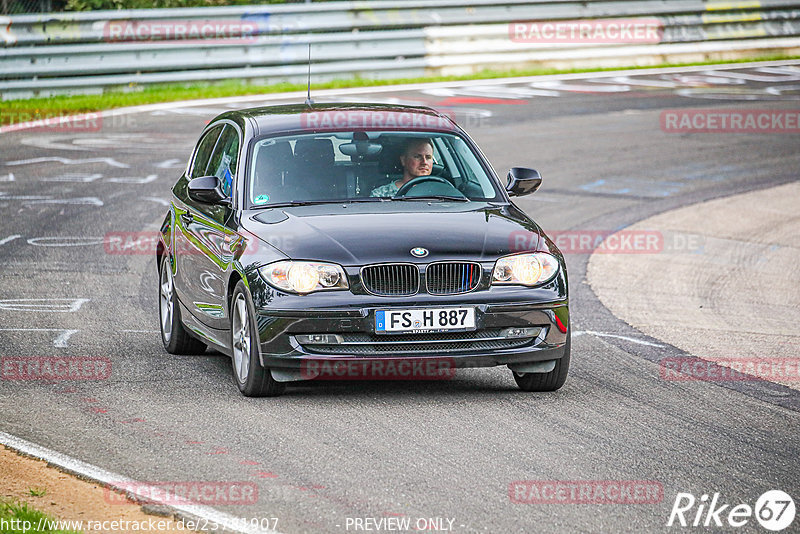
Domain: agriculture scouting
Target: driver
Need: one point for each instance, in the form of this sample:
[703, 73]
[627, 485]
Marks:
[416, 159]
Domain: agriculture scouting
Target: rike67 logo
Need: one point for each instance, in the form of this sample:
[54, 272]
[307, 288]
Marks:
[774, 510]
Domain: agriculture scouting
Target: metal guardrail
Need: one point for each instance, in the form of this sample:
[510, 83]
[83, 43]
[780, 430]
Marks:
[60, 52]
[344, 16]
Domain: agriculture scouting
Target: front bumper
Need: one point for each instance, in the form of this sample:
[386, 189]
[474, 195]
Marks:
[505, 334]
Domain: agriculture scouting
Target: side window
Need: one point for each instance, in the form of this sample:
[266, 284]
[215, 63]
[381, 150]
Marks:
[437, 157]
[338, 155]
[472, 167]
[467, 158]
[203, 153]
[225, 158]
[444, 148]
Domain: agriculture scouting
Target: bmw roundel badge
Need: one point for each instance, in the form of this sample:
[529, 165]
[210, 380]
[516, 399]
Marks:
[419, 252]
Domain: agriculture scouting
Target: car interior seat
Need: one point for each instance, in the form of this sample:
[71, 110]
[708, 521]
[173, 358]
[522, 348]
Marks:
[317, 175]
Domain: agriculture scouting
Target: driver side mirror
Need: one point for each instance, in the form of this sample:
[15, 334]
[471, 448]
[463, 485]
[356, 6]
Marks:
[207, 189]
[522, 181]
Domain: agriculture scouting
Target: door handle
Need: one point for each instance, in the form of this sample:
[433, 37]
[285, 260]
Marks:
[187, 218]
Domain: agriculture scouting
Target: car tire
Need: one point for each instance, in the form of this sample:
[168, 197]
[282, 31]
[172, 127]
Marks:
[546, 381]
[250, 376]
[174, 336]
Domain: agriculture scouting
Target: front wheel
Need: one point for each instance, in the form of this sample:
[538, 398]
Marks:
[252, 379]
[546, 381]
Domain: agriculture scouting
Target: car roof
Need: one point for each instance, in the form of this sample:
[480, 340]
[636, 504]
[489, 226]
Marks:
[316, 118]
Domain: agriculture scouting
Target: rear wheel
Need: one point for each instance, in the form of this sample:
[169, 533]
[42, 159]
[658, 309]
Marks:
[546, 381]
[174, 336]
[251, 377]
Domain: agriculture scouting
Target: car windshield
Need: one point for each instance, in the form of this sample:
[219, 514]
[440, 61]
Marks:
[366, 166]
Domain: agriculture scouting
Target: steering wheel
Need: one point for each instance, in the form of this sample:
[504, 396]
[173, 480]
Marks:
[421, 180]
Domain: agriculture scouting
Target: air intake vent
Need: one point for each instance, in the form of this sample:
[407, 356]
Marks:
[391, 280]
[450, 278]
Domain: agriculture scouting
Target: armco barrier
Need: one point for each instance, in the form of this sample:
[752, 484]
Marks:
[90, 51]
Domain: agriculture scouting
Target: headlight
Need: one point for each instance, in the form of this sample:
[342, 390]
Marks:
[525, 269]
[304, 276]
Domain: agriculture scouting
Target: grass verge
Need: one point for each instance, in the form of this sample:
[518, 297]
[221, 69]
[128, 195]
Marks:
[21, 518]
[14, 111]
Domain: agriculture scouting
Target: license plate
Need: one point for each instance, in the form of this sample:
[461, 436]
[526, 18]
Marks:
[422, 320]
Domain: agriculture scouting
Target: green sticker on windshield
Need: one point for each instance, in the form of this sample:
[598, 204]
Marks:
[261, 199]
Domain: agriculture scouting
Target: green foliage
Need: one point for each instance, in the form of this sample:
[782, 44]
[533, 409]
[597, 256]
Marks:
[91, 5]
[13, 111]
[15, 514]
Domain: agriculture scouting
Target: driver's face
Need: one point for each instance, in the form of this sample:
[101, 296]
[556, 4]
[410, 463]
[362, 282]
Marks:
[418, 160]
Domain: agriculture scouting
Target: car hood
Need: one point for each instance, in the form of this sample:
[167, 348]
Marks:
[360, 234]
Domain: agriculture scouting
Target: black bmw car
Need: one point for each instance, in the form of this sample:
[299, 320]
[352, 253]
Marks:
[357, 241]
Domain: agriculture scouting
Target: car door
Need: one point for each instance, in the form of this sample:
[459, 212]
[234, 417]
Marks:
[209, 238]
[183, 248]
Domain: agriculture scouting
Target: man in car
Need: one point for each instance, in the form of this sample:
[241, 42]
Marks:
[416, 160]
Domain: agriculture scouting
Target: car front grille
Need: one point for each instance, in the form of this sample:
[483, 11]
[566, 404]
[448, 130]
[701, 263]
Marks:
[391, 280]
[403, 279]
[450, 278]
[363, 344]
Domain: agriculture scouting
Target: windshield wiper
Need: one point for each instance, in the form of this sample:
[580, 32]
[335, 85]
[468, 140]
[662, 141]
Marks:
[290, 203]
[434, 197]
[313, 202]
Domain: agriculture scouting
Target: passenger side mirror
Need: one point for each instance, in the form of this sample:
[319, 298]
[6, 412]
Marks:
[522, 181]
[207, 189]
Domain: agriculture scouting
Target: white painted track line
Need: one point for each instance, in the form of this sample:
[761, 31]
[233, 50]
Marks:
[226, 522]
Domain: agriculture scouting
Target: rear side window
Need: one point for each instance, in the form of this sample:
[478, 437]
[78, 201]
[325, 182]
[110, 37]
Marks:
[225, 158]
[204, 149]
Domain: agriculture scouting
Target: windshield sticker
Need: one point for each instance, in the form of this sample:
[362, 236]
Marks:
[261, 199]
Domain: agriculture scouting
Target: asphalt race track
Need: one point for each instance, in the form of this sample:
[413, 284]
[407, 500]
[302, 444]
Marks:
[326, 454]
